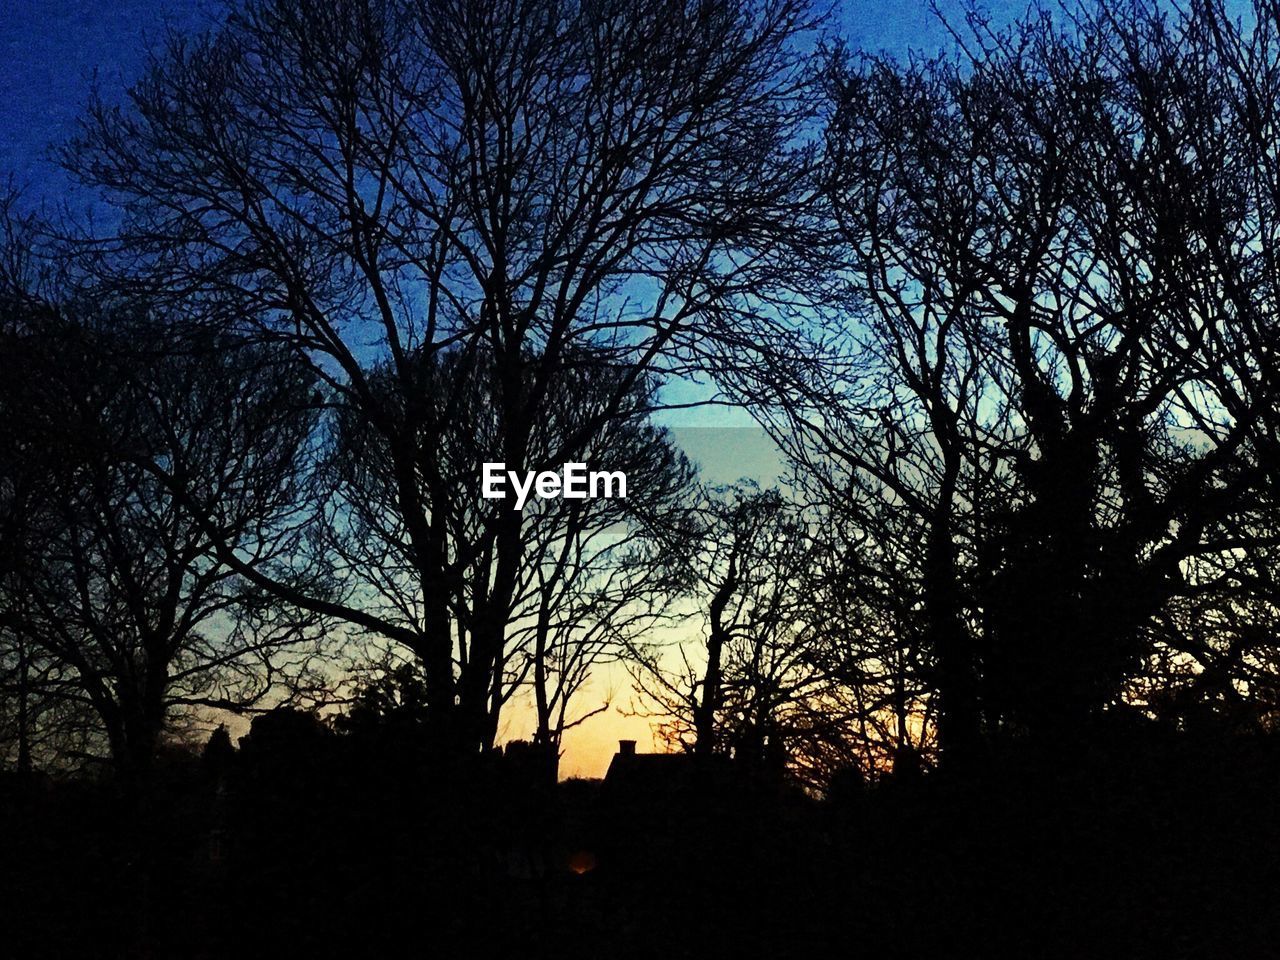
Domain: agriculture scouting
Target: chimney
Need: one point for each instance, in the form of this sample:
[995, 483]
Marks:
[626, 748]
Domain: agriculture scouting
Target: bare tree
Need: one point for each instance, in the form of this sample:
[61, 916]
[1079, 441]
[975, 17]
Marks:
[115, 601]
[760, 686]
[536, 176]
[1060, 287]
[592, 572]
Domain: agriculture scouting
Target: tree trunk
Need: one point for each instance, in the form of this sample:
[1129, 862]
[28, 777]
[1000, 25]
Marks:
[24, 718]
[704, 718]
[959, 721]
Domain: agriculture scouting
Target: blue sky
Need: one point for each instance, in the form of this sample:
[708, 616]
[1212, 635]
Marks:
[50, 52]
[52, 48]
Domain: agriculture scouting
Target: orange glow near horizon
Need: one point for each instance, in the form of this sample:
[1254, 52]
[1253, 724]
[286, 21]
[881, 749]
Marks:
[587, 749]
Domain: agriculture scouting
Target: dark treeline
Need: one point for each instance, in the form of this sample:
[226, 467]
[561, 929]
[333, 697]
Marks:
[984, 672]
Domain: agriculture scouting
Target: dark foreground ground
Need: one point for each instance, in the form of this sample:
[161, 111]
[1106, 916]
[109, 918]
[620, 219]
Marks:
[1150, 847]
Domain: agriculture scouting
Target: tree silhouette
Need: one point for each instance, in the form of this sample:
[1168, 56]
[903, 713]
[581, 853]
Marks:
[590, 570]
[760, 681]
[1067, 382]
[118, 594]
[546, 179]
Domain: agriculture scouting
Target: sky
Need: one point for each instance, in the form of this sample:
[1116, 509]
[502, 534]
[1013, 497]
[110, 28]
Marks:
[53, 51]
